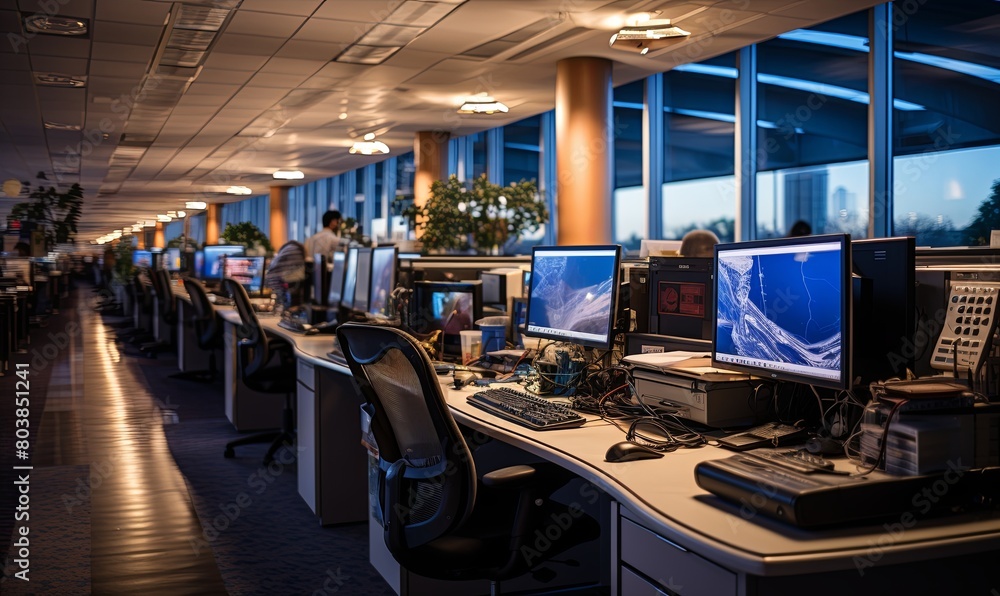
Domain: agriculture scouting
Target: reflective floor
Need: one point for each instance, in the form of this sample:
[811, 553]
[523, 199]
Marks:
[101, 460]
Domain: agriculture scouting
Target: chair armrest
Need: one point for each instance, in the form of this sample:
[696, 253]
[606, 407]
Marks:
[392, 522]
[512, 477]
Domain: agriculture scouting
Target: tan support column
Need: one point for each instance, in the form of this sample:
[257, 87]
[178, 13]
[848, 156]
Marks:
[212, 216]
[279, 217]
[430, 158]
[140, 239]
[584, 151]
[158, 236]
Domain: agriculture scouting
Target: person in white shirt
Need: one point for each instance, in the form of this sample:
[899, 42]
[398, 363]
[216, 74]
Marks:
[326, 240]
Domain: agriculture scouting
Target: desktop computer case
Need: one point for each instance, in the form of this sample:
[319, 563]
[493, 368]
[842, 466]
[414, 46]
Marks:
[712, 403]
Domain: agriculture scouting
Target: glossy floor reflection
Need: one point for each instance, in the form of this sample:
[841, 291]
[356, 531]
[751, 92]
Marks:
[101, 460]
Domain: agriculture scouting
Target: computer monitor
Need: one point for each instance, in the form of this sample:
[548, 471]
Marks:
[574, 294]
[18, 268]
[198, 267]
[350, 278]
[885, 313]
[248, 271]
[681, 297]
[500, 285]
[212, 268]
[783, 309]
[321, 279]
[172, 259]
[336, 279]
[142, 258]
[449, 306]
[383, 280]
[364, 280]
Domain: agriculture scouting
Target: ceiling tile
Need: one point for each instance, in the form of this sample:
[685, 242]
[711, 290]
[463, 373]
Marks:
[246, 22]
[283, 81]
[310, 50]
[331, 31]
[291, 66]
[130, 11]
[241, 62]
[51, 45]
[295, 7]
[231, 43]
[221, 75]
[128, 33]
[83, 9]
[122, 52]
[350, 10]
[133, 71]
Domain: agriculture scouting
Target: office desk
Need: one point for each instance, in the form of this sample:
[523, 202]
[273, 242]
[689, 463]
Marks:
[332, 463]
[667, 535]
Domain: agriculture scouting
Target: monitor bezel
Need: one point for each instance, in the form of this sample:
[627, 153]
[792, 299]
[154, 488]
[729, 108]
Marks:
[609, 340]
[844, 381]
[350, 277]
[424, 289]
[219, 248]
[394, 267]
[338, 256]
[362, 307]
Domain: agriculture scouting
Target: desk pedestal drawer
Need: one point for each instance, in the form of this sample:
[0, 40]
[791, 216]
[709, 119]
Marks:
[670, 566]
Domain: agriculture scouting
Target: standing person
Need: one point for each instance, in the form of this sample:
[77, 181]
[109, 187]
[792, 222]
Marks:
[327, 240]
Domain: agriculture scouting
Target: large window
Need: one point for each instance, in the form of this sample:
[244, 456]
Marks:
[521, 150]
[629, 212]
[699, 148]
[812, 127]
[946, 121]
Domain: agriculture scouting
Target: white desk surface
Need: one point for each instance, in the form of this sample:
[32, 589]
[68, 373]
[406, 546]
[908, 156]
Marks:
[663, 495]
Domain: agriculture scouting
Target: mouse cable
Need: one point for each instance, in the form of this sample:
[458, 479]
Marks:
[669, 435]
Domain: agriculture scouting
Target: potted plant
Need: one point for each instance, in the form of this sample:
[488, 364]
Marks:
[479, 215]
[56, 213]
[248, 235]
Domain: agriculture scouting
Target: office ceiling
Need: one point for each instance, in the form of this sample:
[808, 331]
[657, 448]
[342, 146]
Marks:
[177, 101]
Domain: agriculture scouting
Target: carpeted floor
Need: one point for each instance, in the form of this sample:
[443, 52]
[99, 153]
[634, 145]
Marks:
[264, 536]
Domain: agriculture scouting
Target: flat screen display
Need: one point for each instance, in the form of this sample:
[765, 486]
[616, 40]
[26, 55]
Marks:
[383, 280]
[364, 279]
[142, 258]
[172, 259]
[336, 279]
[350, 278]
[212, 268]
[783, 309]
[451, 307]
[248, 271]
[574, 291]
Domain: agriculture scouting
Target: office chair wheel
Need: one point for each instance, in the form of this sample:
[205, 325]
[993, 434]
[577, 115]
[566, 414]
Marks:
[229, 453]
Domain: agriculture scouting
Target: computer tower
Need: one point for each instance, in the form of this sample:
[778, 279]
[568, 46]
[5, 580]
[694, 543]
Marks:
[681, 296]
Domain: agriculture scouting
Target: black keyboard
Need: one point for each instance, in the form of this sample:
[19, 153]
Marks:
[767, 435]
[525, 409]
[292, 326]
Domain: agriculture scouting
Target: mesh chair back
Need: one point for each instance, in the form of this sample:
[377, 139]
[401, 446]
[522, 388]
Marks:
[416, 435]
[207, 325]
[253, 350]
[164, 297]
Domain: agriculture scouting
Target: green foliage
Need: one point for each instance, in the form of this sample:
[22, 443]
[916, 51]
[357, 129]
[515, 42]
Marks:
[247, 234]
[481, 215]
[56, 213]
[190, 243]
[123, 271]
[349, 230]
[987, 218]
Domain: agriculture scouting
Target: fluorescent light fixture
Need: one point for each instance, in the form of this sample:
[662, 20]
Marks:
[369, 146]
[288, 175]
[653, 34]
[61, 126]
[482, 105]
[55, 79]
[196, 205]
[150, 223]
[181, 214]
[362, 54]
[243, 190]
[137, 228]
[55, 25]
[163, 218]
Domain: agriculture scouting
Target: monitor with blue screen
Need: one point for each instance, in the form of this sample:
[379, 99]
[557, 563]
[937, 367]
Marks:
[350, 279]
[383, 280]
[447, 306]
[142, 258]
[336, 279]
[212, 268]
[574, 292]
[248, 271]
[172, 259]
[783, 309]
[198, 267]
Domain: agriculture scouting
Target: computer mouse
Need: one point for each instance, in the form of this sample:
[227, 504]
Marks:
[465, 377]
[628, 451]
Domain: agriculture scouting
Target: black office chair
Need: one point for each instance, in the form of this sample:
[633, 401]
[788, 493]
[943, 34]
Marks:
[142, 305]
[440, 519]
[267, 364]
[207, 329]
[164, 298]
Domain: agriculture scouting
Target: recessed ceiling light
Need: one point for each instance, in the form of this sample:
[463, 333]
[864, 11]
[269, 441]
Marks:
[369, 146]
[163, 218]
[55, 25]
[195, 205]
[61, 126]
[150, 223]
[482, 105]
[240, 190]
[55, 79]
[653, 34]
[288, 175]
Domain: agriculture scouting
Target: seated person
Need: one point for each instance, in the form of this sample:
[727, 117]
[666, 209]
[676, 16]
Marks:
[286, 274]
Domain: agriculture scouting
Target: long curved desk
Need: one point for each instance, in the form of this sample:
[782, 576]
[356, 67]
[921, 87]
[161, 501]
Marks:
[667, 535]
